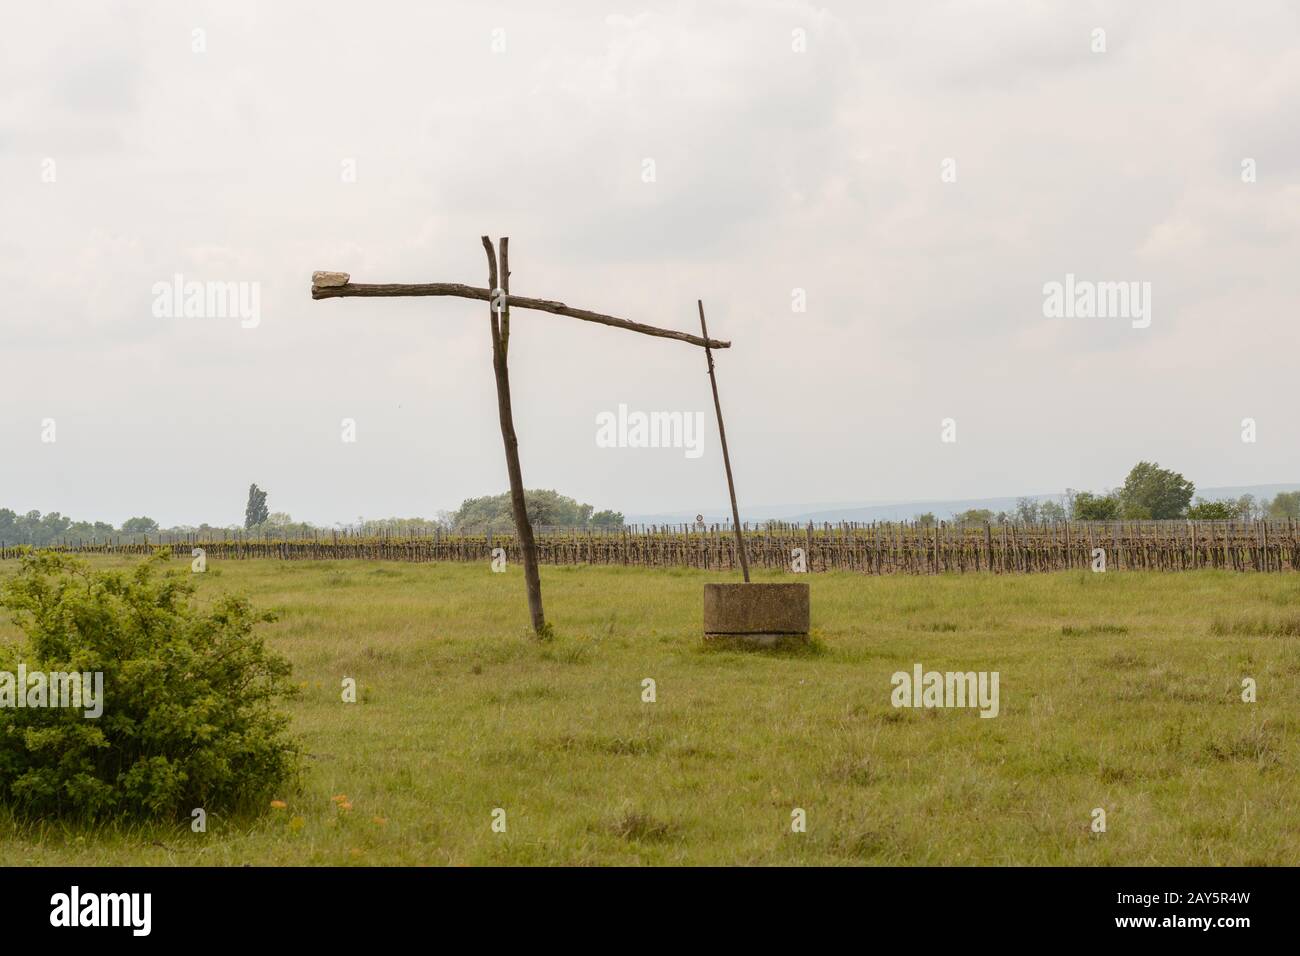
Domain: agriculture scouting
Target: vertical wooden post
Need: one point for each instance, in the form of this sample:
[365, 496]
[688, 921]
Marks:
[722, 437]
[500, 345]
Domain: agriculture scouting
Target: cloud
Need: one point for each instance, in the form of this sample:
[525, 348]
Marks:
[774, 170]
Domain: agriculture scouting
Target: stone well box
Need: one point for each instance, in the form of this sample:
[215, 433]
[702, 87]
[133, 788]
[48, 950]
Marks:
[756, 613]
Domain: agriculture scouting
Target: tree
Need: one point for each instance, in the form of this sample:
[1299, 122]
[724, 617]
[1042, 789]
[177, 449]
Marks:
[1052, 511]
[973, 516]
[1153, 492]
[141, 525]
[53, 526]
[608, 520]
[495, 513]
[256, 511]
[1091, 507]
[1134, 511]
[1212, 510]
[1248, 509]
[1286, 504]
[925, 520]
[281, 525]
[1026, 510]
[94, 531]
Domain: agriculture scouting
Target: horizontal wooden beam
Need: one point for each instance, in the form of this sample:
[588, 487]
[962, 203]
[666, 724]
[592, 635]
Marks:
[516, 301]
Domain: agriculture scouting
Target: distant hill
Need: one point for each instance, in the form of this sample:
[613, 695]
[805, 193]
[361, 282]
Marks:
[903, 510]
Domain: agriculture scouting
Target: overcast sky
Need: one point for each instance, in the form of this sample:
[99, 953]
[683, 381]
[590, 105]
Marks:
[782, 161]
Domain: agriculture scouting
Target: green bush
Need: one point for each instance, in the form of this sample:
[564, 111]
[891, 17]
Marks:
[1091, 507]
[191, 696]
[1212, 510]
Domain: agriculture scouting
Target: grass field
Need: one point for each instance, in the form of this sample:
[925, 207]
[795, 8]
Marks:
[1119, 691]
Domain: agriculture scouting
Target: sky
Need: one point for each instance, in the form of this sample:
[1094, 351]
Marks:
[870, 199]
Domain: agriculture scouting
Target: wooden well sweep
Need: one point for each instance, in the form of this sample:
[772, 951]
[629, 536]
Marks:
[757, 612]
[333, 285]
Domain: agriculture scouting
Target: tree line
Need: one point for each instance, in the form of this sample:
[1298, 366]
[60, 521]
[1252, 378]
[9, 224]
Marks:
[1148, 493]
[488, 514]
[37, 529]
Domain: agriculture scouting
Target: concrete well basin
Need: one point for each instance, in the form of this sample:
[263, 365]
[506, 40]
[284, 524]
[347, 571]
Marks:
[760, 614]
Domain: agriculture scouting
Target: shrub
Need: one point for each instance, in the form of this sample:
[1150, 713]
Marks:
[190, 696]
[1212, 510]
[1090, 507]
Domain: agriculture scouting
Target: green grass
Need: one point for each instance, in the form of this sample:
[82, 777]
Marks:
[1119, 691]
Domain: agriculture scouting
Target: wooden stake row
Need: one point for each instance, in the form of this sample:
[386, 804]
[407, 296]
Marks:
[1264, 546]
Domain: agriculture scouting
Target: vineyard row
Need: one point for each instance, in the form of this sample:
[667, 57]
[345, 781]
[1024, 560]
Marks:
[895, 548]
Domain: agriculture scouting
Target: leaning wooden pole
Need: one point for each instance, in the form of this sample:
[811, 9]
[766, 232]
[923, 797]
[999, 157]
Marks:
[499, 309]
[726, 458]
